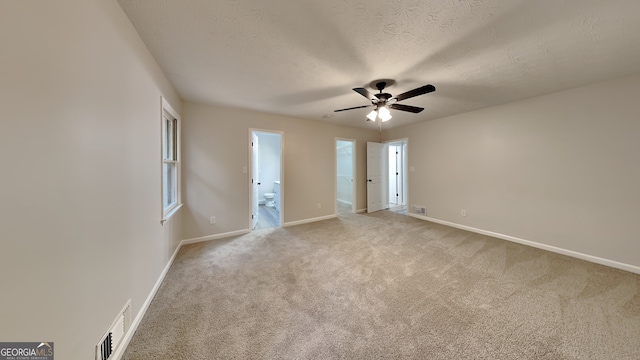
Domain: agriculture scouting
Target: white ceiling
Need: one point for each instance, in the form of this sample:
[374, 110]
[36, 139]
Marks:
[301, 58]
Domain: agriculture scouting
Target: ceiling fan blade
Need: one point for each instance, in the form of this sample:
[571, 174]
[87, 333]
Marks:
[351, 108]
[415, 92]
[401, 107]
[364, 92]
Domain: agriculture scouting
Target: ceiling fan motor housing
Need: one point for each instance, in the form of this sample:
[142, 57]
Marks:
[386, 100]
[382, 97]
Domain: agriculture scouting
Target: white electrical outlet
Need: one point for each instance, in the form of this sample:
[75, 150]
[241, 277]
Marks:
[319, 206]
[463, 212]
[212, 220]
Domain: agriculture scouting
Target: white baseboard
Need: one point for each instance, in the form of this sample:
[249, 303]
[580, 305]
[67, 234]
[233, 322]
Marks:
[117, 354]
[360, 211]
[214, 237]
[306, 221]
[575, 254]
[344, 202]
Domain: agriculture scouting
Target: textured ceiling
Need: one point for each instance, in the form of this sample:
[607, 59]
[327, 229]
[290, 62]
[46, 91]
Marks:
[301, 58]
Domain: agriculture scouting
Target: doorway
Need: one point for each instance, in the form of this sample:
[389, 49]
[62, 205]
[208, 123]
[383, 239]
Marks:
[266, 191]
[387, 176]
[398, 176]
[345, 164]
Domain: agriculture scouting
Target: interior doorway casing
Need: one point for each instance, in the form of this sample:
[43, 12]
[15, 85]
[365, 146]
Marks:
[254, 177]
[345, 174]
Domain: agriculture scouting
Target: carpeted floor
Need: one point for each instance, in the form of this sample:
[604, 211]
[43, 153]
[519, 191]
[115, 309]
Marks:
[386, 286]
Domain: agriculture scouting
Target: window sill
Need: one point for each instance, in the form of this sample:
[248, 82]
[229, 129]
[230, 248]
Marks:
[170, 213]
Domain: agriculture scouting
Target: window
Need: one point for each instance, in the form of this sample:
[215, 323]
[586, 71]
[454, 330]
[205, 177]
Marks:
[170, 161]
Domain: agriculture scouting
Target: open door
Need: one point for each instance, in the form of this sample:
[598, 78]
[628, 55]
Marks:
[345, 165]
[377, 198]
[255, 182]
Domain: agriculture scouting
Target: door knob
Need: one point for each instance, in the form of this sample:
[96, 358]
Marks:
[370, 180]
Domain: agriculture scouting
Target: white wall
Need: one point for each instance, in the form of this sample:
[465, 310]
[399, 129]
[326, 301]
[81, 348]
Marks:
[560, 170]
[80, 186]
[216, 149]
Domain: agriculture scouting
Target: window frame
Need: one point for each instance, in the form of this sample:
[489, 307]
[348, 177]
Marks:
[170, 146]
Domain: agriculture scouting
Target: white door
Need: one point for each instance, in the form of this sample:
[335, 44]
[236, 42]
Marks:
[393, 175]
[255, 182]
[345, 163]
[376, 175]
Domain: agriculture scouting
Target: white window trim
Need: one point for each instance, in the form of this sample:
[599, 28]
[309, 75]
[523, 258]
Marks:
[168, 212]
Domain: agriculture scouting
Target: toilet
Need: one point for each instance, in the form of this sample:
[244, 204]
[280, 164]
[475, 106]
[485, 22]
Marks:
[268, 197]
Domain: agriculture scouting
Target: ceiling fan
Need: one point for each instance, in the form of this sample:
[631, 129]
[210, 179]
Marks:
[382, 102]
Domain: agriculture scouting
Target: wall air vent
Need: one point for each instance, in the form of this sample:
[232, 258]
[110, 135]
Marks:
[417, 209]
[113, 337]
[106, 347]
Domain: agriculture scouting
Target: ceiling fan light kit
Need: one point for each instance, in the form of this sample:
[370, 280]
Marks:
[382, 102]
[384, 114]
[381, 112]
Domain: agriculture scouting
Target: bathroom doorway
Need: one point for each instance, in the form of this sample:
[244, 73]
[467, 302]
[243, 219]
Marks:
[345, 178]
[266, 191]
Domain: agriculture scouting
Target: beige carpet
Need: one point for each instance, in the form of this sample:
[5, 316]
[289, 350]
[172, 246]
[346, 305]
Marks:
[386, 286]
